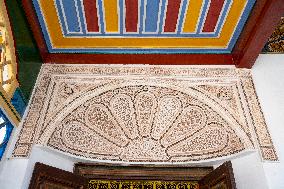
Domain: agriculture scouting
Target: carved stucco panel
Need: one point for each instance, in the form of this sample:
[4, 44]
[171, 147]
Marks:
[145, 114]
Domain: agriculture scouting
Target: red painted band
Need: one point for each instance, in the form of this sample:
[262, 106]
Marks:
[172, 15]
[90, 7]
[131, 15]
[163, 59]
[213, 15]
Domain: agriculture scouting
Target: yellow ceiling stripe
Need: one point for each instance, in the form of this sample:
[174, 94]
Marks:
[192, 15]
[111, 15]
[233, 17]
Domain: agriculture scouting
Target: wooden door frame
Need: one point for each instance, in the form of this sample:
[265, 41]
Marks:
[140, 172]
[222, 173]
[43, 173]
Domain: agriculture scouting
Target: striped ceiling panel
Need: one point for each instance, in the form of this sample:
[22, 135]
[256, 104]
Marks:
[139, 26]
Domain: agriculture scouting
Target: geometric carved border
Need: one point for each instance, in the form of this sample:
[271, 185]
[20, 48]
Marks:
[70, 99]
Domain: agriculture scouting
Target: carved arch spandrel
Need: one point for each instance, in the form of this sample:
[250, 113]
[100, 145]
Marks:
[95, 88]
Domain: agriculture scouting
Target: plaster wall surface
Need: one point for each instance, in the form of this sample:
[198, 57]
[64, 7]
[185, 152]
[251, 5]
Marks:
[48, 158]
[12, 173]
[249, 172]
[268, 75]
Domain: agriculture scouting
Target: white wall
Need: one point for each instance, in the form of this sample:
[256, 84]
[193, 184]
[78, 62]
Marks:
[16, 173]
[48, 158]
[268, 75]
[12, 173]
[249, 172]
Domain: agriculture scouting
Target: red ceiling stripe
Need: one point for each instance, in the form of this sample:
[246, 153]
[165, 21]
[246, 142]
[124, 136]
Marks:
[213, 15]
[131, 15]
[90, 7]
[172, 15]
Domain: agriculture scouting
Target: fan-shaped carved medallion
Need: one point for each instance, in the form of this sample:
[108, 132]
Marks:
[147, 123]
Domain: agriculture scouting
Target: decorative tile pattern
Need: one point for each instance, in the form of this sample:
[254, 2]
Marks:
[145, 113]
[275, 43]
[132, 184]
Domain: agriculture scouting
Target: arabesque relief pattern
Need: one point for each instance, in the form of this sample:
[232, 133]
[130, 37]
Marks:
[145, 114]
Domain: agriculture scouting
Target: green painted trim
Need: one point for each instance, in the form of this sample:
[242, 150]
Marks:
[28, 56]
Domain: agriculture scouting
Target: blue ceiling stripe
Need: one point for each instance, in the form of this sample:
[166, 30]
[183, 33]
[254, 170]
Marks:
[142, 51]
[141, 19]
[59, 12]
[121, 16]
[101, 16]
[70, 12]
[162, 15]
[182, 16]
[203, 16]
[81, 16]
[152, 15]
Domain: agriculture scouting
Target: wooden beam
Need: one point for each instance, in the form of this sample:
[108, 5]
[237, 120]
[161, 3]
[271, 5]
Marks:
[262, 22]
[35, 27]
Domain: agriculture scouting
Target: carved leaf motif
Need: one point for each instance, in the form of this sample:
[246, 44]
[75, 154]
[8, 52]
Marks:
[213, 139]
[76, 135]
[100, 119]
[190, 121]
[123, 109]
[168, 109]
[145, 109]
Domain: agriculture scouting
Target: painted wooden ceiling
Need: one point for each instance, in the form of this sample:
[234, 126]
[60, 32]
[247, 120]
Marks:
[142, 26]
